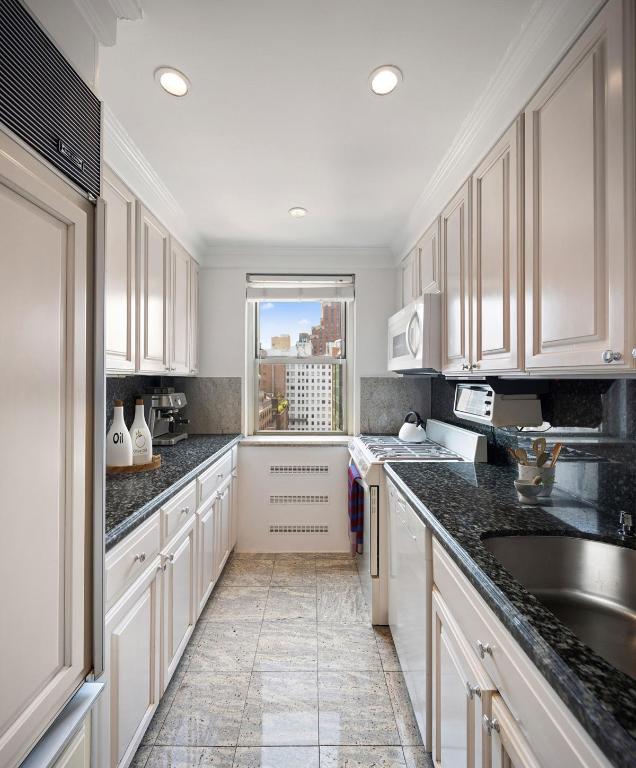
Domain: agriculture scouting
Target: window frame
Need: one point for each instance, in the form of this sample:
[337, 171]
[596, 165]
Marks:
[252, 376]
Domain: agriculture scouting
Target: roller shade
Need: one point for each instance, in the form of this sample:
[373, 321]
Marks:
[300, 287]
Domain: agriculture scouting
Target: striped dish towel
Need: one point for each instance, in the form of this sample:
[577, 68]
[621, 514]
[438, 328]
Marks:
[356, 510]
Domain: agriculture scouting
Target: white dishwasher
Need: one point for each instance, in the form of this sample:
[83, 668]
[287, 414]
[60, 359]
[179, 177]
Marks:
[410, 585]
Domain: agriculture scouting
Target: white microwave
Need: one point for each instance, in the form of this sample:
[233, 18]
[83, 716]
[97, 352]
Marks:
[415, 336]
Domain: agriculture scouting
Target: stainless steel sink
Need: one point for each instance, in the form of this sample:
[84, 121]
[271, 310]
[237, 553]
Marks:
[589, 585]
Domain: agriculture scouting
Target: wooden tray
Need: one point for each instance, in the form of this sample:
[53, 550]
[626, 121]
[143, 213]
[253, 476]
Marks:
[134, 468]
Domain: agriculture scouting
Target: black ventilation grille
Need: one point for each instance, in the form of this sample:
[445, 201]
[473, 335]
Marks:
[45, 102]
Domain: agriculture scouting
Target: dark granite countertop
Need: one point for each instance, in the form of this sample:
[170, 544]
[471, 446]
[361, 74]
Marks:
[131, 499]
[465, 503]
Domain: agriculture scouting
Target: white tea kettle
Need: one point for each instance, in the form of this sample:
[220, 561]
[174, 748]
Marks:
[412, 430]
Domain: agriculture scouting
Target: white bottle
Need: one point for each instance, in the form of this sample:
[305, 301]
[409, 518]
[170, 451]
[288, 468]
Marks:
[118, 442]
[140, 436]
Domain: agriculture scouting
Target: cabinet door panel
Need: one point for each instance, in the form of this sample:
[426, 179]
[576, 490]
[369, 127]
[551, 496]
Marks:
[178, 600]
[455, 239]
[120, 300]
[428, 249]
[462, 694]
[206, 571]
[154, 292]
[194, 317]
[576, 253]
[497, 265]
[181, 320]
[409, 278]
[509, 748]
[132, 660]
[43, 306]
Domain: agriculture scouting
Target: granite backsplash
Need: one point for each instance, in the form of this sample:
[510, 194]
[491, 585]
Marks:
[385, 401]
[214, 404]
[594, 419]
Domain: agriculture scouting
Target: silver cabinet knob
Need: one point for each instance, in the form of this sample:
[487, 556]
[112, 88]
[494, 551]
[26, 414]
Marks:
[140, 557]
[474, 366]
[491, 723]
[610, 356]
[473, 690]
[185, 510]
[171, 557]
[465, 367]
[634, 353]
[485, 649]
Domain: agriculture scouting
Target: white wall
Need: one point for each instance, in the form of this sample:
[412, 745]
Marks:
[222, 319]
[71, 33]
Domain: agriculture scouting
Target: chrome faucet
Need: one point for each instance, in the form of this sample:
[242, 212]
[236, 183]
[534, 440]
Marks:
[626, 522]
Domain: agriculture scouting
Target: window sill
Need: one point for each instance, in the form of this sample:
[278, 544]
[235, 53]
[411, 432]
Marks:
[285, 440]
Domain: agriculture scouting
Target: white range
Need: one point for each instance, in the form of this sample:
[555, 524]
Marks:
[445, 442]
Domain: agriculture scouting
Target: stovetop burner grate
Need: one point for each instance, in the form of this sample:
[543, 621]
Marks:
[386, 448]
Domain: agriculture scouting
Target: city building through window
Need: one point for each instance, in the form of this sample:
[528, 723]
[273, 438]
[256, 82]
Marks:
[300, 355]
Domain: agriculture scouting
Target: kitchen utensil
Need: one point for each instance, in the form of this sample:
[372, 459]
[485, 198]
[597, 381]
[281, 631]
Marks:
[538, 445]
[542, 458]
[412, 430]
[555, 453]
[521, 456]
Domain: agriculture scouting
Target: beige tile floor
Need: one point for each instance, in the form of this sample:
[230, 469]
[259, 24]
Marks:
[284, 670]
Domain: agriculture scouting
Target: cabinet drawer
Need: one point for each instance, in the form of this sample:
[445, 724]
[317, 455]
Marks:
[178, 512]
[534, 704]
[211, 479]
[129, 558]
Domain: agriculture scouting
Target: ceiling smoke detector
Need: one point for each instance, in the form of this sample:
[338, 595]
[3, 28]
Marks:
[385, 79]
[172, 81]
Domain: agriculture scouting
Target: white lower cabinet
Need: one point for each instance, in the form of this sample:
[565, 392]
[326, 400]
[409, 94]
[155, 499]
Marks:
[410, 580]
[461, 695]
[178, 598]
[158, 580]
[132, 663]
[223, 504]
[78, 752]
[508, 748]
[206, 571]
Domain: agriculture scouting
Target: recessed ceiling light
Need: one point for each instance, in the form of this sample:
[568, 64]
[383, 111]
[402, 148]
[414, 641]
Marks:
[172, 81]
[297, 212]
[385, 79]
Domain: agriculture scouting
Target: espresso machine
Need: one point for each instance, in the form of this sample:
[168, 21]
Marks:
[162, 408]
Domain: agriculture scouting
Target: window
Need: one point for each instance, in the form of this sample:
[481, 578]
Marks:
[300, 353]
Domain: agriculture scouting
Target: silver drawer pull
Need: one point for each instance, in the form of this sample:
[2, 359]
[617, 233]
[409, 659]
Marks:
[473, 690]
[485, 649]
[185, 510]
[491, 723]
[220, 476]
[141, 557]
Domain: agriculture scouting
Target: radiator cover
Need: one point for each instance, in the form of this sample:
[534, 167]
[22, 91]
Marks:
[44, 102]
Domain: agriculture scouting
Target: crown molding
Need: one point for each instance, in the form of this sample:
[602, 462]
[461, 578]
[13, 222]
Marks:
[549, 30]
[126, 159]
[317, 258]
[102, 16]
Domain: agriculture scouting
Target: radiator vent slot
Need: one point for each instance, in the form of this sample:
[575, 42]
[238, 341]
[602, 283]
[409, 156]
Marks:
[299, 469]
[286, 529]
[45, 102]
[299, 499]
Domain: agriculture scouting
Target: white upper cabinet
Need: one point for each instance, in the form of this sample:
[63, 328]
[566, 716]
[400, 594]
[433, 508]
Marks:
[455, 260]
[577, 253]
[409, 277]
[194, 317]
[119, 330]
[154, 292]
[428, 253]
[497, 267]
[181, 325]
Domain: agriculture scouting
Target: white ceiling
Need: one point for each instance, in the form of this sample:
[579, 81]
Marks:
[280, 111]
